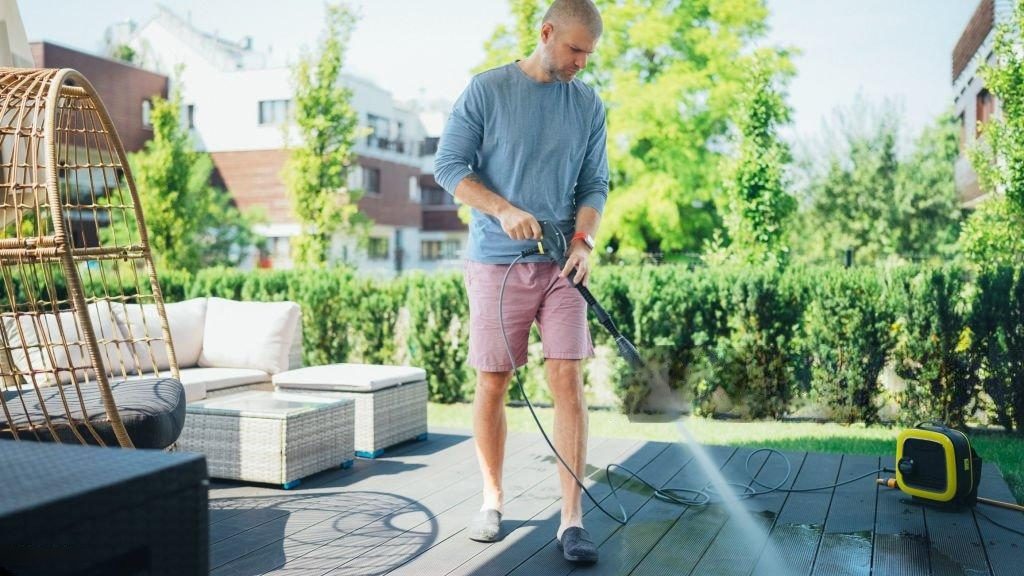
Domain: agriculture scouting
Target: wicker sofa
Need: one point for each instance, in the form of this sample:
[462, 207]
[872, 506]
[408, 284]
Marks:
[225, 347]
[222, 346]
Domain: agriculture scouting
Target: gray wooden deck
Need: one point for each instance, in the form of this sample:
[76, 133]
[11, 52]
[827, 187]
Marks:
[405, 513]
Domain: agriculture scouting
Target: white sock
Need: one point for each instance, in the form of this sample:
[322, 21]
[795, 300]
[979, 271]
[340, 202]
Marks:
[486, 506]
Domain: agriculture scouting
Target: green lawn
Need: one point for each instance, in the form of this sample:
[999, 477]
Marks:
[1007, 451]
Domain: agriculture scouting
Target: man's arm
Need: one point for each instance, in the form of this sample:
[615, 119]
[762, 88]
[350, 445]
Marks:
[452, 166]
[590, 194]
[518, 224]
[588, 220]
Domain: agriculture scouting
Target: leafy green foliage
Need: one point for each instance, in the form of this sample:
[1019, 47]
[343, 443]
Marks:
[124, 53]
[316, 172]
[744, 342]
[847, 335]
[755, 361]
[931, 353]
[509, 43]
[861, 196]
[999, 157]
[439, 334]
[757, 203]
[190, 223]
[992, 235]
[997, 341]
[670, 74]
[926, 200]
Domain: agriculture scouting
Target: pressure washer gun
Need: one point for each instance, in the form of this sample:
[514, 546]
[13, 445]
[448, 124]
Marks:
[554, 245]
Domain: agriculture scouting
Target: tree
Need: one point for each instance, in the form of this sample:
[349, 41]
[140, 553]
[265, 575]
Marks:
[757, 203]
[124, 53]
[926, 200]
[190, 223]
[508, 44]
[861, 196]
[316, 172]
[670, 74]
[999, 156]
[991, 237]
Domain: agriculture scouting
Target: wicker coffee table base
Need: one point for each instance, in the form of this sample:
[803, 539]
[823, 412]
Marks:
[268, 445]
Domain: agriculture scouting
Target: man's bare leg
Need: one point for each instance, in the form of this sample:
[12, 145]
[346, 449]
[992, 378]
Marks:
[565, 380]
[489, 431]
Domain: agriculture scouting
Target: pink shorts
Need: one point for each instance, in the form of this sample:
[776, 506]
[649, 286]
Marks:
[534, 292]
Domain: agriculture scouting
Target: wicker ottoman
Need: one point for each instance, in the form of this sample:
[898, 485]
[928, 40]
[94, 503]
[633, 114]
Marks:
[391, 401]
[270, 437]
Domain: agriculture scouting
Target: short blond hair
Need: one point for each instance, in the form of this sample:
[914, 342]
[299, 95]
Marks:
[580, 11]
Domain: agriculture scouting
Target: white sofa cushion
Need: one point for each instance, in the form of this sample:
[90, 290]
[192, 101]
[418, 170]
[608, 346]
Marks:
[187, 321]
[217, 378]
[194, 390]
[37, 342]
[255, 335]
[349, 377]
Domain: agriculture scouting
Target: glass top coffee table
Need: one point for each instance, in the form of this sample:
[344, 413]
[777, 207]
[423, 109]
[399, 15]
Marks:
[270, 437]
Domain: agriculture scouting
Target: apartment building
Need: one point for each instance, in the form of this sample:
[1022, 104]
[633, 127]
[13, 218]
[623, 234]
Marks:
[125, 90]
[237, 105]
[973, 103]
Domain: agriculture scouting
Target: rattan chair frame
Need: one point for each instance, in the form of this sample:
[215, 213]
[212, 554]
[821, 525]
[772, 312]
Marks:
[59, 95]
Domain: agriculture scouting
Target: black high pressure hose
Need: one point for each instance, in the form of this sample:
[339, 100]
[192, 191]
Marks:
[553, 245]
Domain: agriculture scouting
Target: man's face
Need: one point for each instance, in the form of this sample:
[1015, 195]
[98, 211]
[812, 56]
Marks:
[566, 48]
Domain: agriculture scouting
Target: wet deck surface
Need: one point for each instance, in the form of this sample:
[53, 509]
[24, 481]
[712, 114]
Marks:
[406, 513]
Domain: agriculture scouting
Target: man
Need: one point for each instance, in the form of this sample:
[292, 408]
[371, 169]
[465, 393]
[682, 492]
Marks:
[526, 143]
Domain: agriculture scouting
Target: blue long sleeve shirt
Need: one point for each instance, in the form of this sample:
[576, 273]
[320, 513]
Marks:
[539, 145]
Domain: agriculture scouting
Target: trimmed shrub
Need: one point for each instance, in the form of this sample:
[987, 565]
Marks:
[677, 314]
[931, 352]
[997, 327]
[847, 336]
[754, 361]
[439, 332]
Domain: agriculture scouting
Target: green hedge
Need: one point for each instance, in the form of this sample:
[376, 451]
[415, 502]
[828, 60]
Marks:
[997, 341]
[847, 337]
[932, 354]
[754, 343]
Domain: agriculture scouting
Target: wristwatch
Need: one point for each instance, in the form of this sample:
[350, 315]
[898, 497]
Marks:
[587, 239]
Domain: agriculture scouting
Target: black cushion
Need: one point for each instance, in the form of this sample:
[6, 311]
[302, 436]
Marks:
[152, 409]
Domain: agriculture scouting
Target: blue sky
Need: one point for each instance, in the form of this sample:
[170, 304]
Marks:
[898, 50]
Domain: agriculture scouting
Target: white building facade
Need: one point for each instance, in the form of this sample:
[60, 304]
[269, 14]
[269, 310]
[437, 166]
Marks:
[238, 108]
[973, 103]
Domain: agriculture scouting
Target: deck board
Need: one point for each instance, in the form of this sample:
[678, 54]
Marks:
[406, 512]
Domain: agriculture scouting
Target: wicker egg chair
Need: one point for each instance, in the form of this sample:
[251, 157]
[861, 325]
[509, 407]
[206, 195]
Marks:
[85, 350]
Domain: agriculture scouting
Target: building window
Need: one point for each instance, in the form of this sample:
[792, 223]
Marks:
[439, 249]
[963, 133]
[428, 147]
[985, 109]
[433, 196]
[377, 249]
[414, 189]
[188, 116]
[371, 180]
[274, 111]
[147, 113]
[378, 136]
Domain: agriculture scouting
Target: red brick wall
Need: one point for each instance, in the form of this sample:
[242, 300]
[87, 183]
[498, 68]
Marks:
[443, 219]
[254, 179]
[392, 206]
[440, 218]
[121, 87]
[977, 29]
